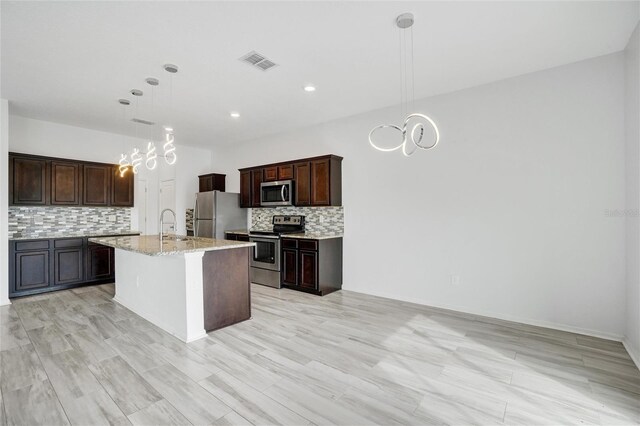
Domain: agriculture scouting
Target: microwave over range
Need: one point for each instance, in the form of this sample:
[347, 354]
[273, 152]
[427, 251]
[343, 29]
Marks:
[278, 193]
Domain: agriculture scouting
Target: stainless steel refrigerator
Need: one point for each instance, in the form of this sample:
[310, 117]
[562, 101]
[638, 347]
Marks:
[216, 212]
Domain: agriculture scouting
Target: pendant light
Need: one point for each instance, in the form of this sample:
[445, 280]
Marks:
[123, 162]
[409, 140]
[169, 148]
[150, 156]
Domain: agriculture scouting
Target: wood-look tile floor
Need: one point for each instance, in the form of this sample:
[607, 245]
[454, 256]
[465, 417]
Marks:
[76, 357]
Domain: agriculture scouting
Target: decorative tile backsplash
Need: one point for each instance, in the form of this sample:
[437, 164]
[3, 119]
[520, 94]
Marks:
[52, 222]
[329, 220]
[189, 219]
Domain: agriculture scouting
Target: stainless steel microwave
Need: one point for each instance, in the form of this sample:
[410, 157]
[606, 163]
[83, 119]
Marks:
[278, 193]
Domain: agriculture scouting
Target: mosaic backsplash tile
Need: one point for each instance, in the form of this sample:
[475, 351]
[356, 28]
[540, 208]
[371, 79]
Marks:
[55, 222]
[189, 219]
[328, 220]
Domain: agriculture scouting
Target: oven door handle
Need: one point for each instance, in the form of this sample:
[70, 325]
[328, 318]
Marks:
[269, 237]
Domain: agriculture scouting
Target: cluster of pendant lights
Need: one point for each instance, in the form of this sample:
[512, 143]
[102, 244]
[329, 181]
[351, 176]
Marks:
[150, 156]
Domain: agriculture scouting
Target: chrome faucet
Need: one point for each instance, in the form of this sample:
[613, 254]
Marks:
[162, 221]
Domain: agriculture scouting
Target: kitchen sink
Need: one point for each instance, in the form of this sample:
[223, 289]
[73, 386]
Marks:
[175, 238]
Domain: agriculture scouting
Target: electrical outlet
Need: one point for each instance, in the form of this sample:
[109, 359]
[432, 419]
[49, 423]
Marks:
[320, 219]
[112, 218]
[37, 220]
[455, 279]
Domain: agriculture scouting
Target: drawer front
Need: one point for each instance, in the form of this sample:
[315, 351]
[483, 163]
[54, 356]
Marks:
[289, 243]
[308, 245]
[68, 242]
[32, 245]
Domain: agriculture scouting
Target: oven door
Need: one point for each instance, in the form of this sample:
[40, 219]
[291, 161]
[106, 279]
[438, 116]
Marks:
[266, 253]
[279, 193]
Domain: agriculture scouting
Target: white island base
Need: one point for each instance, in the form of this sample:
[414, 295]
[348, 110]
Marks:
[187, 286]
[165, 290]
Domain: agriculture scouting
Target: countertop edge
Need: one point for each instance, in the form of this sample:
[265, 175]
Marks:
[173, 251]
[60, 237]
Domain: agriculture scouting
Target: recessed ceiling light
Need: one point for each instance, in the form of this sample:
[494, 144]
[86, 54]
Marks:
[309, 88]
[136, 92]
[152, 81]
[170, 68]
[124, 101]
[234, 114]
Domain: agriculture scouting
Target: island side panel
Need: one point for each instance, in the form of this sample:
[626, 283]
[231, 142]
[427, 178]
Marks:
[163, 290]
[227, 289]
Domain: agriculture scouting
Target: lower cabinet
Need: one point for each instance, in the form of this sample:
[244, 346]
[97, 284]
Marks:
[312, 266]
[38, 266]
[236, 237]
[68, 261]
[100, 262]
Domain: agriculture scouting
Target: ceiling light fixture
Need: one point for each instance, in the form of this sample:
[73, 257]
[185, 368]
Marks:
[168, 146]
[309, 88]
[413, 139]
[234, 114]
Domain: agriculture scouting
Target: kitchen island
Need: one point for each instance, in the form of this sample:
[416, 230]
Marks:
[184, 285]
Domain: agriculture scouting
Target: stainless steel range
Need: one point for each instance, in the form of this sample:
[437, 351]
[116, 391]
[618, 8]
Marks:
[265, 262]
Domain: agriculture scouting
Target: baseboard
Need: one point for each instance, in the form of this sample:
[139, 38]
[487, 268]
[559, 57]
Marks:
[635, 356]
[5, 302]
[499, 316]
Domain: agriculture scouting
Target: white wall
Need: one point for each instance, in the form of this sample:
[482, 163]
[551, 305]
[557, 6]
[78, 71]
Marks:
[4, 202]
[58, 140]
[632, 127]
[513, 200]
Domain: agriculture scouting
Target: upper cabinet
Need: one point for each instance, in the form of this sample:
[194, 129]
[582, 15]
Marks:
[39, 181]
[65, 183]
[27, 181]
[97, 185]
[121, 188]
[212, 182]
[317, 181]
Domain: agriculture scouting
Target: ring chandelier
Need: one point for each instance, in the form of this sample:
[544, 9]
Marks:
[409, 140]
[150, 156]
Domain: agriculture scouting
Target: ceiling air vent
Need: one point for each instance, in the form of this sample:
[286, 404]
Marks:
[257, 60]
[141, 121]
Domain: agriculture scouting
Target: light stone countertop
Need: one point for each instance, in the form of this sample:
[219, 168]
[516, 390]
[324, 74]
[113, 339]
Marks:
[151, 246]
[56, 235]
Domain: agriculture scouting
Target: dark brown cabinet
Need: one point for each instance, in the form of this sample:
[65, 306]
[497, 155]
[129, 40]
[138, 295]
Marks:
[38, 266]
[68, 261]
[256, 180]
[31, 270]
[312, 266]
[27, 181]
[320, 185]
[236, 237]
[245, 188]
[212, 182]
[121, 189]
[65, 183]
[100, 262]
[97, 183]
[317, 180]
[38, 181]
[272, 173]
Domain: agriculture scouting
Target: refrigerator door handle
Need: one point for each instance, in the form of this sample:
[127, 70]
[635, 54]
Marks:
[195, 218]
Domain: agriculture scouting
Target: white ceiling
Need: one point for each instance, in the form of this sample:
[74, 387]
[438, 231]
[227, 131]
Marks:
[69, 62]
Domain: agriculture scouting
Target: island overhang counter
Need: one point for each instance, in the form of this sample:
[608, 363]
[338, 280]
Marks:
[184, 285]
